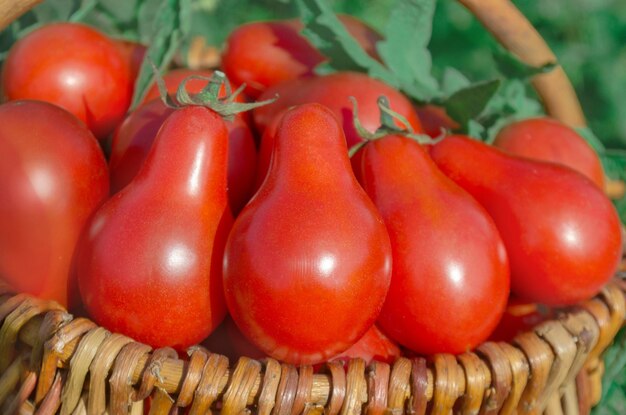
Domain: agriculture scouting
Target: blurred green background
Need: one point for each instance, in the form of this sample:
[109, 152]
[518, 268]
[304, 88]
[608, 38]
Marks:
[588, 37]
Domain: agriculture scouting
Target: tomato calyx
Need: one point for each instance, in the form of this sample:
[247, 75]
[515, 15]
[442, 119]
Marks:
[227, 106]
[388, 126]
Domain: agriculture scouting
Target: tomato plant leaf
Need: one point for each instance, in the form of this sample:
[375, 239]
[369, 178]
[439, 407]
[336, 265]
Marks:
[52, 11]
[510, 103]
[511, 67]
[170, 25]
[452, 81]
[405, 47]
[469, 102]
[476, 129]
[325, 31]
[120, 12]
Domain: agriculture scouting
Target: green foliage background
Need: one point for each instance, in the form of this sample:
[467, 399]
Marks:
[588, 37]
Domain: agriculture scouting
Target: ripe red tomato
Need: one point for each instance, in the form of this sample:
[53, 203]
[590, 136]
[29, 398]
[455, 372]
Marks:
[550, 140]
[134, 53]
[150, 261]
[334, 91]
[263, 54]
[53, 176]
[562, 234]
[75, 67]
[450, 275]
[308, 261]
[374, 345]
[133, 139]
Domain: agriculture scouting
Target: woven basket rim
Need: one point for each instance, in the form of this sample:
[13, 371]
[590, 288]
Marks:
[524, 373]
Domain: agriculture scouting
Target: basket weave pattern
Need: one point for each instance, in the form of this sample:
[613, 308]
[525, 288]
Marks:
[50, 362]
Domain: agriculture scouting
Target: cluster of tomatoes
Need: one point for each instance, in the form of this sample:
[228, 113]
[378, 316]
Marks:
[200, 210]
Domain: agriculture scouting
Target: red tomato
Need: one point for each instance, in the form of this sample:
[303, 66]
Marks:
[562, 234]
[550, 140]
[435, 120]
[450, 275]
[150, 260]
[374, 345]
[133, 139]
[263, 54]
[134, 53]
[308, 261]
[53, 176]
[334, 91]
[74, 67]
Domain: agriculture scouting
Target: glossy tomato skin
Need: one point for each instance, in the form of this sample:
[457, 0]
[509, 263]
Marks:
[550, 140]
[450, 277]
[53, 176]
[150, 261]
[334, 91]
[263, 54]
[561, 232]
[373, 346]
[75, 67]
[308, 261]
[133, 139]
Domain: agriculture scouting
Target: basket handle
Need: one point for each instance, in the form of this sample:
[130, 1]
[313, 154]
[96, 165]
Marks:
[511, 28]
[11, 10]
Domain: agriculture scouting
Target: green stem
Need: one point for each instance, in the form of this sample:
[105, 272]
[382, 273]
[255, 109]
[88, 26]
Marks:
[388, 126]
[227, 107]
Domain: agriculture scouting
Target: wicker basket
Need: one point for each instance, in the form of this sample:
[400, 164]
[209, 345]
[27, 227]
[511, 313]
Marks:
[50, 362]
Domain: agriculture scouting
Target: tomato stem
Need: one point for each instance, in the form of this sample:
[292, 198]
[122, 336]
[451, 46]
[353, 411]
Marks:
[209, 96]
[388, 126]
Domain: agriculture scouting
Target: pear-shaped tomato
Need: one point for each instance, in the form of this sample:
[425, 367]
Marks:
[150, 263]
[562, 234]
[307, 264]
[450, 277]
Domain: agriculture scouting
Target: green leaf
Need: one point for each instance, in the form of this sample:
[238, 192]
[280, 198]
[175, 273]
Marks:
[171, 25]
[405, 47]
[324, 30]
[121, 11]
[614, 163]
[54, 11]
[469, 102]
[510, 103]
[511, 67]
[452, 81]
[476, 130]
